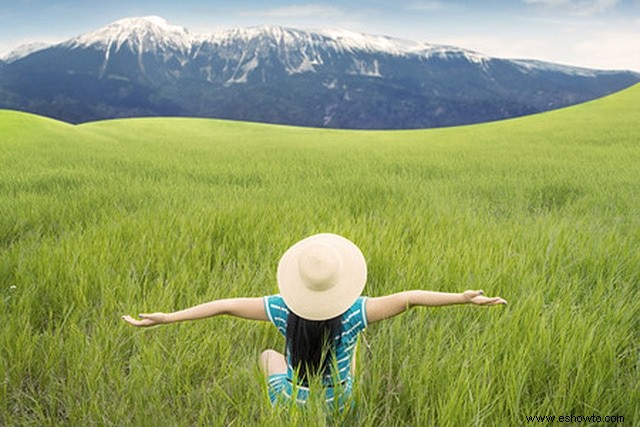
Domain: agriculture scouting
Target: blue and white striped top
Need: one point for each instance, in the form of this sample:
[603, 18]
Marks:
[354, 321]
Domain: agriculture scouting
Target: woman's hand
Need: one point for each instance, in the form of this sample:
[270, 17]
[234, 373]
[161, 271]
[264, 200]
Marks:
[477, 297]
[147, 319]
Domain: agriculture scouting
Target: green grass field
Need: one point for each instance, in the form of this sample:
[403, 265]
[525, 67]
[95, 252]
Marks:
[138, 215]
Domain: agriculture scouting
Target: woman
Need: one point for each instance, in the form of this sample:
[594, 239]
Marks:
[320, 312]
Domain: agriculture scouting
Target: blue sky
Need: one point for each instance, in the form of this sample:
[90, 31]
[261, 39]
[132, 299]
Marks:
[591, 33]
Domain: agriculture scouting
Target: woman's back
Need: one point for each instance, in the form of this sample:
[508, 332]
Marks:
[352, 322]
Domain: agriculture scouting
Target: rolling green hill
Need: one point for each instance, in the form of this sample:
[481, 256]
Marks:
[138, 215]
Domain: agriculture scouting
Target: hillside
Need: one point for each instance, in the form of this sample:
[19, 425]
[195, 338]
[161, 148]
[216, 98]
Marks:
[613, 112]
[142, 215]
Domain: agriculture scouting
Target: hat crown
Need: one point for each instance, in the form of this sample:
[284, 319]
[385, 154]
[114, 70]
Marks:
[321, 276]
[319, 267]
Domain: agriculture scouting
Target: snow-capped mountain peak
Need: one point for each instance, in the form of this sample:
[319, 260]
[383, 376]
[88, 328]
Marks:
[155, 34]
[143, 34]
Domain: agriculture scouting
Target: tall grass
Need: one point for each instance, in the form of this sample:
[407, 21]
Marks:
[132, 216]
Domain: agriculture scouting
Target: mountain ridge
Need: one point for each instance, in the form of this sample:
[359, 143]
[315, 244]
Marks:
[331, 78]
[124, 30]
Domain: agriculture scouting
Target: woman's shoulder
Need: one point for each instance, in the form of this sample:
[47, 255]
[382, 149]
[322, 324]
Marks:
[356, 314]
[275, 304]
[277, 311]
[273, 298]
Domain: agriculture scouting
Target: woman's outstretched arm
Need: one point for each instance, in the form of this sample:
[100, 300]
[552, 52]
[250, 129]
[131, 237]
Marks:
[245, 308]
[381, 308]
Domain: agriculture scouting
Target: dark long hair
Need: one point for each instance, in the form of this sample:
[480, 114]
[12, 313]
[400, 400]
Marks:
[312, 344]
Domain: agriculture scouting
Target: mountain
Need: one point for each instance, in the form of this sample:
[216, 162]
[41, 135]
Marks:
[339, 79]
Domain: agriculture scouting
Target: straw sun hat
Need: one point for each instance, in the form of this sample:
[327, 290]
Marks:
[321, 276]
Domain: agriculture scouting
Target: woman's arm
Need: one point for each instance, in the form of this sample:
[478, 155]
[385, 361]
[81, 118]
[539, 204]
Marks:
[381, 308]
[245, 308]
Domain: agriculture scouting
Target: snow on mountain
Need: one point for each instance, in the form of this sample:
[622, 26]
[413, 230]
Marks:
[338, 40]
[146, 34]
[24, 50]
[351, 41]
[342, 41]
[277, 34]
[302, 51]
[298, 50]
[534, 65]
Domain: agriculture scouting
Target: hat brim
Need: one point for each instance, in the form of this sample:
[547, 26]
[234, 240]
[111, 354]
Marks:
[326, 304]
